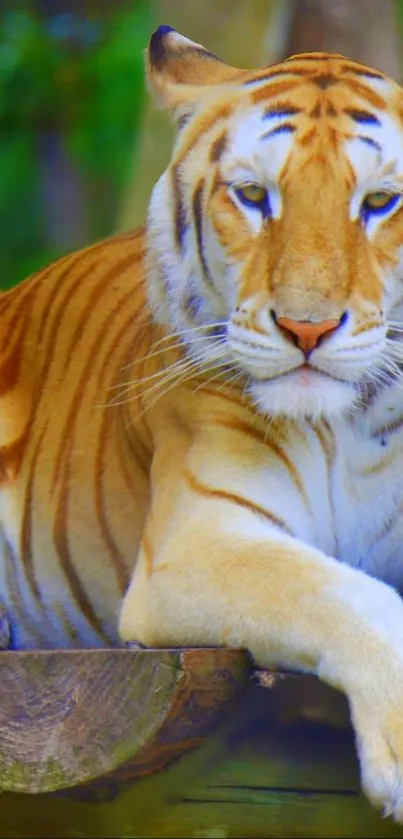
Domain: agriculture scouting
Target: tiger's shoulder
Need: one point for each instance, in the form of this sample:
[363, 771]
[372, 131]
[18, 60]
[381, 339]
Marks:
[116, 259]
[77, 318]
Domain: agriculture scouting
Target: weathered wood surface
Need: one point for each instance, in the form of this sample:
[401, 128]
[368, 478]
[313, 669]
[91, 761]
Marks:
[70, 717]
[262, 774]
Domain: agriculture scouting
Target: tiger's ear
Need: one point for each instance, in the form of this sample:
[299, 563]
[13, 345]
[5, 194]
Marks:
[178, 69]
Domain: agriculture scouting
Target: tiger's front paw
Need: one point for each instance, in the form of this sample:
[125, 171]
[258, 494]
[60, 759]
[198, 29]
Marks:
[379, 739]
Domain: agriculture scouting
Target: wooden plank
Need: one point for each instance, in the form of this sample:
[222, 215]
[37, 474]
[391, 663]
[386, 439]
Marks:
[270, 780]
[304, 758]
[279, 816]
[253, 778]
[274, 729]
[264, 779]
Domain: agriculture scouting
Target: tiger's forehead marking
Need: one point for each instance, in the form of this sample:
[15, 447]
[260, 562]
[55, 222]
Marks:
[311, 101]
[302, 104]
[322, 69]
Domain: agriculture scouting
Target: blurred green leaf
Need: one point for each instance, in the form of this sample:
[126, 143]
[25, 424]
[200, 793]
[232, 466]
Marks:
[112, 96]
[28, 67]
[81, 77]
[20, 234]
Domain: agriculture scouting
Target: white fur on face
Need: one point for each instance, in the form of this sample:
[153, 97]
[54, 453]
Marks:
[257, 160]
[280, 381]
[376, 157]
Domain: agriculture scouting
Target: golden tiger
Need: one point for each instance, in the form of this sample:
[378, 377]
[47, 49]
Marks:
[206, 420]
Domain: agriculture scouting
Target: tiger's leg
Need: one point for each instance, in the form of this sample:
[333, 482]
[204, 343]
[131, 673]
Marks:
[221, 575]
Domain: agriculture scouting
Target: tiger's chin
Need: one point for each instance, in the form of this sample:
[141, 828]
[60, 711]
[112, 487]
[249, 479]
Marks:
[304, 394]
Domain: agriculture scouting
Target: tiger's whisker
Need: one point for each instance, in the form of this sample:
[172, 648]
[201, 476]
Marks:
[158, 373]
[170, 375]
[180, 343]
[185, 366]
[186, 377]
[212, 379]
[179, 366]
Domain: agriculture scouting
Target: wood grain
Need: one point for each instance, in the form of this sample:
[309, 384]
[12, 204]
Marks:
[72, 717]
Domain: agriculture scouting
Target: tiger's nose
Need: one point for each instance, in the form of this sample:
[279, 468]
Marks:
[306, 334]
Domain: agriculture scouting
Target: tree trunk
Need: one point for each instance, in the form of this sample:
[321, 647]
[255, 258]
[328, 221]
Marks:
[366, 30]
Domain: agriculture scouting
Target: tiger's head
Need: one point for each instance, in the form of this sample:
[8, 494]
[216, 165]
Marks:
[276, 231]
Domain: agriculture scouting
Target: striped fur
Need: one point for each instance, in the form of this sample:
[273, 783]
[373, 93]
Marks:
[164, 437]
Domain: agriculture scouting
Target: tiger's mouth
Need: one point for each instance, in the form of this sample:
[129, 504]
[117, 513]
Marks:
[304, 375]
[303, 392]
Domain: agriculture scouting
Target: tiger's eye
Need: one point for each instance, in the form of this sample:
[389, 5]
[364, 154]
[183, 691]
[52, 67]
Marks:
[253, 194]
[378, 200]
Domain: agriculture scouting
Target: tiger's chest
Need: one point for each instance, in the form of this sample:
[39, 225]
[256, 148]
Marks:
[366, 491]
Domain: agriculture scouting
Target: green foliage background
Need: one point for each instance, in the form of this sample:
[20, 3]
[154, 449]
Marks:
[74, 83]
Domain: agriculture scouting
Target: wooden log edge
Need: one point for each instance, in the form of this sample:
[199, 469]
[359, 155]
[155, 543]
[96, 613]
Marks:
[69, 718]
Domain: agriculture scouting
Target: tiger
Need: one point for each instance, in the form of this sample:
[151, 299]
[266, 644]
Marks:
[201, 423]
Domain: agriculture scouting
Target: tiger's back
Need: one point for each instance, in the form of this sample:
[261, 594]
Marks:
[74, 478]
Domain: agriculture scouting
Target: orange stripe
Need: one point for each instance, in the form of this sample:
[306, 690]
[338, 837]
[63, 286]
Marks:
[233, 395]
[48, 358]
[218, 147]
[13, 319]
[201, 127]
[11, 366]
[128, 261]
[26, 549]
[351, 66]
[12, 568]
[233, 498]
[68, 431]
[71, 262]
[308, 138]
[278, 70]
[60, 538]
[262, 438]
[365, 327]
[125, 461]
[367, 93]
[327, 444]
[271, 90]
[11, 456]
[117, 557]
[58, 289]
[131, 324]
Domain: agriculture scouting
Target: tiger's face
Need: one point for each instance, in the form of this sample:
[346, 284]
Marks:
[280, 256]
